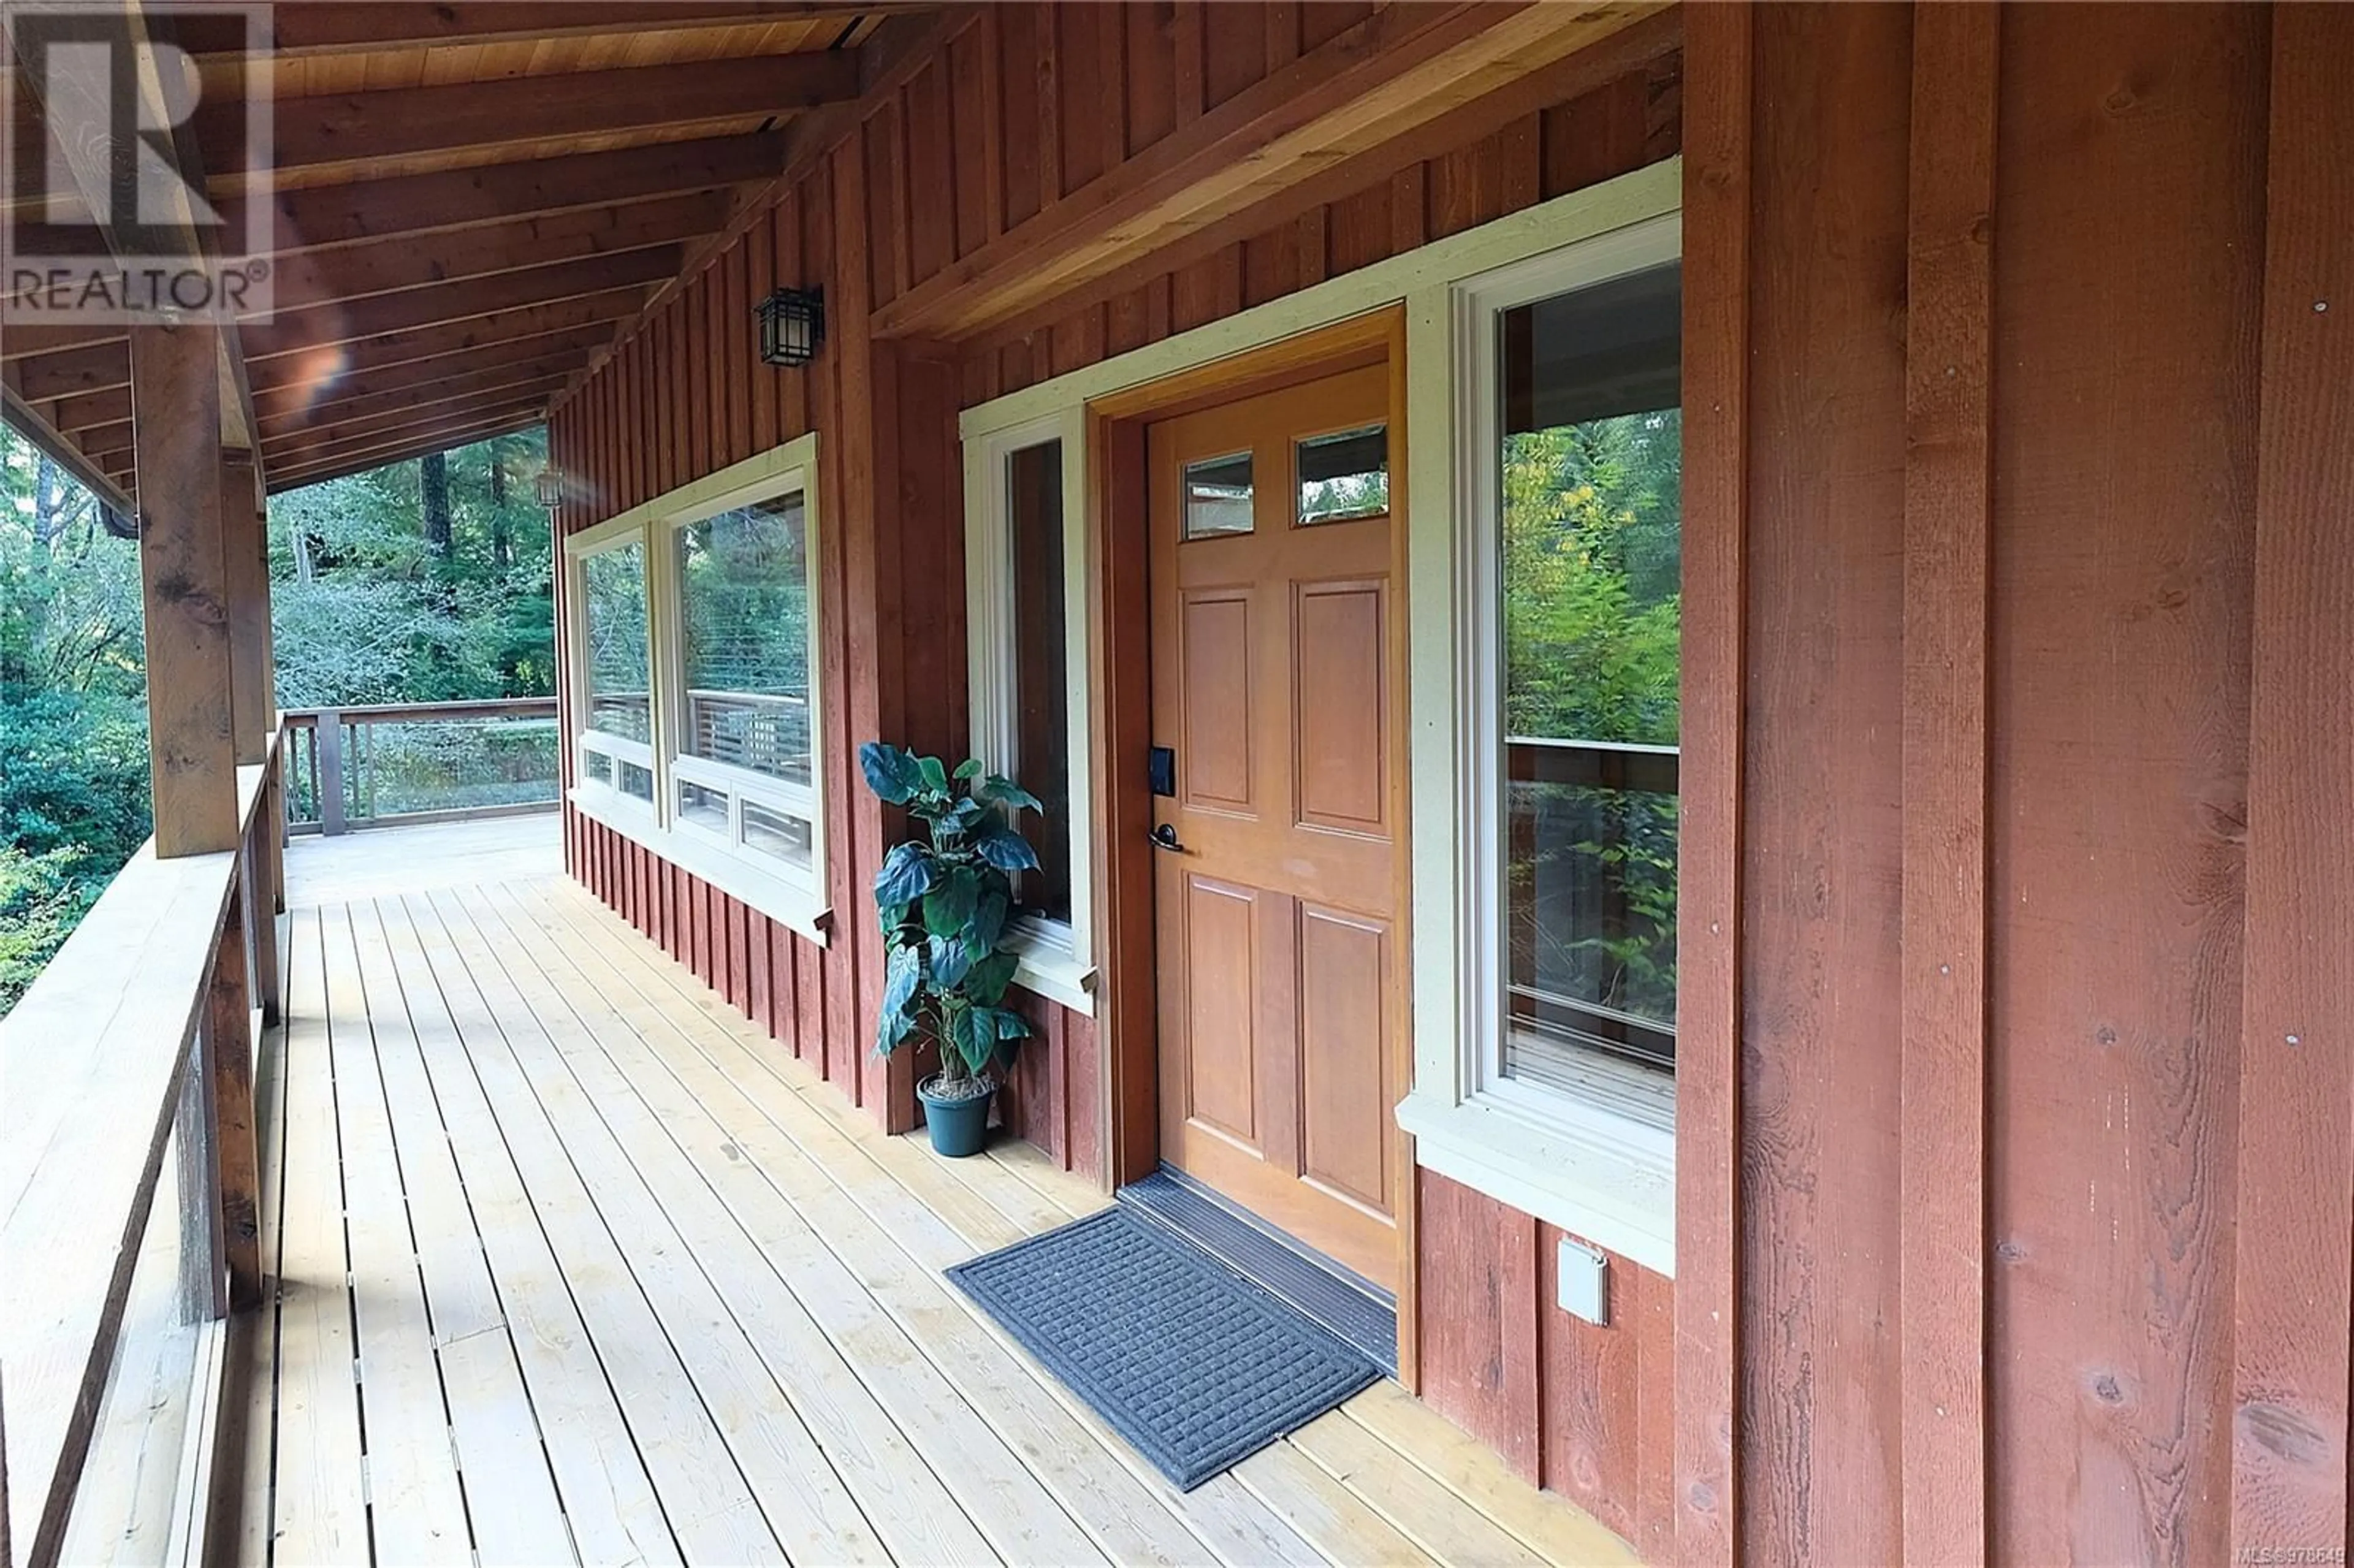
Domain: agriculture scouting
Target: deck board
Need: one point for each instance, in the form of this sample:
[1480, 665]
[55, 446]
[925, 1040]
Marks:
[631, 1285]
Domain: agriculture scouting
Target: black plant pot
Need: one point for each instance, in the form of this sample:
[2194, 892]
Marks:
[957, 1127]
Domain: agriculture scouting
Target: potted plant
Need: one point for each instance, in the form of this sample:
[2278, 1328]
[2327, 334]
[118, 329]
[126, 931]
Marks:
[945, 898]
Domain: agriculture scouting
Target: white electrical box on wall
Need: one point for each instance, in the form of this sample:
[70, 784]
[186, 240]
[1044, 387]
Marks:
[1581, 1280]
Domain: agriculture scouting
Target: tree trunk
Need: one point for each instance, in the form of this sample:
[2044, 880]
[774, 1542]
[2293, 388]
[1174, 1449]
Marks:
[433, 474]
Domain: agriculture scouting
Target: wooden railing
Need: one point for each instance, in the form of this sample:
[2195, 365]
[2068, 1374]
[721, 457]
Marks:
[393, 764]
[129, 1197]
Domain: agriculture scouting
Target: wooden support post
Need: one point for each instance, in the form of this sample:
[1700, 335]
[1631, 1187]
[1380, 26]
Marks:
[328, 738]
[228, 1065]
[246, 554]
[175, 411]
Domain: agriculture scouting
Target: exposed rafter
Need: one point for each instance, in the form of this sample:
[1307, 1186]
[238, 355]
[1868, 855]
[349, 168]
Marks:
[324, 27]
[346, 127]
[410, 205]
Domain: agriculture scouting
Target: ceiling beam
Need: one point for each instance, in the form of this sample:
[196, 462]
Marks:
[103, 441]
[1400, 69]
[29, 423]
[79, 413]
[99, 367]
[310, 467]
[356, 272]
[319, 216]
[454, 376]
[316, 366]
[341, 128]
[413, 441]
[397, 422]
[339, 321]
[302, 31]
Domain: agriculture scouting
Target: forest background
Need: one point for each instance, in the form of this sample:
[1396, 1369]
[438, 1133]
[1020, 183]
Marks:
[421, 581]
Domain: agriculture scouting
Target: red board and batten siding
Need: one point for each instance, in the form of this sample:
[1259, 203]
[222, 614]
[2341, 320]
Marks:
[1020, 109]
[2038, 374]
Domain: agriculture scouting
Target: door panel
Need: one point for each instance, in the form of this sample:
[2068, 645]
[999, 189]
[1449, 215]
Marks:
[1274, 678]
[1220, 949]
[1342, 979]
[1340, 692]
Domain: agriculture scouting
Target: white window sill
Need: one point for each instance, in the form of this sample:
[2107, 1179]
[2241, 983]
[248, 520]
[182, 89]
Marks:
[774, 896]
[1048, 968]
[1611, 1182]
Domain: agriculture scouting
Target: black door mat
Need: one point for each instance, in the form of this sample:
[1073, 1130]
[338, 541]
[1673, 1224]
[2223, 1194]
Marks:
[1188, 1361]
[1333, 1295]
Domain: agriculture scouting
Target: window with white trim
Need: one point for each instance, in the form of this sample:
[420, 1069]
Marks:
[701, 732]
[743, 767]
[1027, 622]
[1544, 1064]
[617, 741]
[1581, 627]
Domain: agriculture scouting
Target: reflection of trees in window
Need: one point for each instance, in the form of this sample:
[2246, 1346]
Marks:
[615, 613]
[744, 597]
[1592, 522]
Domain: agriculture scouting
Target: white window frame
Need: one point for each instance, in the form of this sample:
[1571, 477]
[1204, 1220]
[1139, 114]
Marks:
[1058, 960]
[783, 892]
[586, 741]
[1598, 1160]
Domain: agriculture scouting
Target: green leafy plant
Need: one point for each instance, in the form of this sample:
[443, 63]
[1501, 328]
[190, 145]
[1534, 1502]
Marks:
[945, 899]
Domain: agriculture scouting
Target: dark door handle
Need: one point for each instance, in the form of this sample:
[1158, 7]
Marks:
[1165, 837]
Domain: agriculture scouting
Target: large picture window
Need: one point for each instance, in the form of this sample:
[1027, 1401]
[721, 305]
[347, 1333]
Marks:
[699, 719]
[743, 762]
[1027, 616]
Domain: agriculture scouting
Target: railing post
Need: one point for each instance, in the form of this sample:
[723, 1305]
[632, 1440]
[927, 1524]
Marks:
[268, 885]
[194, 1125]
[329, 738]
[227, 1064]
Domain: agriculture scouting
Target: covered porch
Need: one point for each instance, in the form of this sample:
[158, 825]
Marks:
[572, 1262]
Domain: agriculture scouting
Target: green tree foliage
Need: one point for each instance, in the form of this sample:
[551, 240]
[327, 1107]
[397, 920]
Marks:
[364, 612]
[73, 717]
[371, 606]
[1591, 522]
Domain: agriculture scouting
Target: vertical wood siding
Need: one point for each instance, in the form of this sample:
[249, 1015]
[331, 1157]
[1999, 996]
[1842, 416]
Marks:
[2084, 1299]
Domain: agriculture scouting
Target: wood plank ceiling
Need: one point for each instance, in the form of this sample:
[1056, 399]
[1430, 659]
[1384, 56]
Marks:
[471, 200]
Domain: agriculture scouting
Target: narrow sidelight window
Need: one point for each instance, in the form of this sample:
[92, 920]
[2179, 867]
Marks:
[1026, 622]
[1589, 489]
[1041, 760]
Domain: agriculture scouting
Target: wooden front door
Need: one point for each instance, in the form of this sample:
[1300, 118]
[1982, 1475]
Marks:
[1280, 983]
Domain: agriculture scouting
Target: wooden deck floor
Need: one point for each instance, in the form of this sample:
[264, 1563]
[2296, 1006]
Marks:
[573, 1266]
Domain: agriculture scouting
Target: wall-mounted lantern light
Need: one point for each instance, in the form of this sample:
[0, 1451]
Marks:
[548, 488]
[792, 324]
